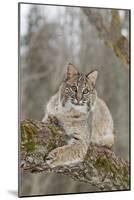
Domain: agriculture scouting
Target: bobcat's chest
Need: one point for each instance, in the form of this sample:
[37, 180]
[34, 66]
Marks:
[73, 120]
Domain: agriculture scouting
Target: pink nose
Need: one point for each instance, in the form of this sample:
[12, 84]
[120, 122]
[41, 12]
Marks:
[78, 98]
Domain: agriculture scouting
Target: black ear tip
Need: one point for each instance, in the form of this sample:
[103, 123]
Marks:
[70, 63]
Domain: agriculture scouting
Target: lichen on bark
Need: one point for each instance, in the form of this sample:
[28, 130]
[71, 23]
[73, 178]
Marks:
[101, 166]
[112, 34]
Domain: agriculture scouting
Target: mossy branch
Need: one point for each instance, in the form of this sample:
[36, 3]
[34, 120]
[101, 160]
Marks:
[101, 167]
[111, 35]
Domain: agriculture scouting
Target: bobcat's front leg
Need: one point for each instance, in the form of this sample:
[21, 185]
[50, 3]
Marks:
[66, 155]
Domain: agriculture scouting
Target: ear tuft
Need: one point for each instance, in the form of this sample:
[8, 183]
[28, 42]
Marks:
[71, 71]
[92, 76]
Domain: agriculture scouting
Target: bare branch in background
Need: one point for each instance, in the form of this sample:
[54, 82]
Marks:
[112, 35]
[100, 168]
[37, 76]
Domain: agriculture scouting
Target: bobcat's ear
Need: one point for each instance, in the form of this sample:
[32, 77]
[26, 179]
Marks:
[71, 71]
[92, 76]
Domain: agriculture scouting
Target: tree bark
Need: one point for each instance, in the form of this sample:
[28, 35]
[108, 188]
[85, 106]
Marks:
[100, 168]
[111, 35]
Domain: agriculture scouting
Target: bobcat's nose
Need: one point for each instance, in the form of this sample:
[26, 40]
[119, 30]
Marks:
[78, 99]
[78, 102]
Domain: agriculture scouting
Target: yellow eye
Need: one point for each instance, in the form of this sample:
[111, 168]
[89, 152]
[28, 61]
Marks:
[85, 91]
[74, 88]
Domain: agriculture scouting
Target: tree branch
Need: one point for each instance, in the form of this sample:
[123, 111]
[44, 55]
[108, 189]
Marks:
[101, 167]
[112, 35]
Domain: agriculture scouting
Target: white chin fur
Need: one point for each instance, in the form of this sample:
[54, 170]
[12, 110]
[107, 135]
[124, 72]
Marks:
[69, 105]
[80, 108]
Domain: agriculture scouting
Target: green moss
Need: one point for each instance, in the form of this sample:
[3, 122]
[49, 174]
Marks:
[28, 133]
[51, 145]
[103, 163]
[125, 174]
[120, 47]
[54, 130]
[115, 19]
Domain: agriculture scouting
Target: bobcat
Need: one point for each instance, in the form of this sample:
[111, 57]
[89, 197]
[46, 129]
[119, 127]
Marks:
[84, 116]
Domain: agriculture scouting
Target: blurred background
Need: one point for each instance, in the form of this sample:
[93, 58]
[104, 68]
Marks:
[50, 38]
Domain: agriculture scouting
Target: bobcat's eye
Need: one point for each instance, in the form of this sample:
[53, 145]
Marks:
[85, 91]
[66, 90]
[74, 88]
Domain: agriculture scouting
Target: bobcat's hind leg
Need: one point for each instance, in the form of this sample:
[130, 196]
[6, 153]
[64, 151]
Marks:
[108, 140]
[105, 139]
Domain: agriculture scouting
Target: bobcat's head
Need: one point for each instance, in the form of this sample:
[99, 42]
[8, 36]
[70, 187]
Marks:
[79, 89]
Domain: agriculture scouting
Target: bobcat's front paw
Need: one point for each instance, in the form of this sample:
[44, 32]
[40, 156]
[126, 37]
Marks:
[53, 158]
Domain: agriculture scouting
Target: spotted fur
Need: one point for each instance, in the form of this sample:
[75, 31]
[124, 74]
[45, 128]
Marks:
[84, 116]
